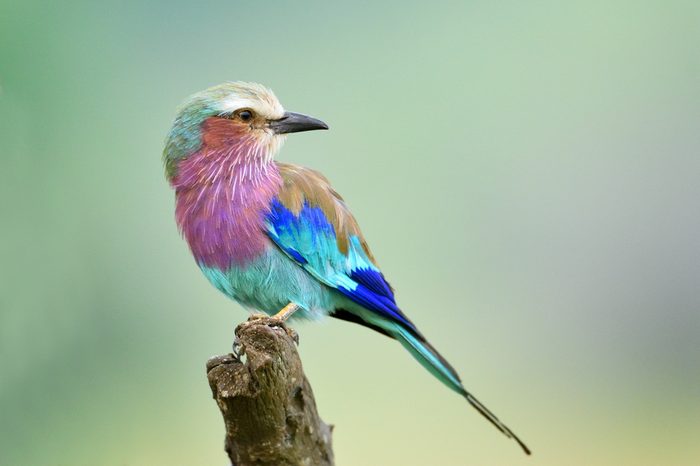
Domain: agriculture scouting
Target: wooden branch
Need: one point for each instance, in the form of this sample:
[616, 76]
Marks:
[267, 403]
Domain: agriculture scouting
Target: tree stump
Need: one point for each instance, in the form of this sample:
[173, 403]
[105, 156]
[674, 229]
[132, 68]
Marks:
[266, 401]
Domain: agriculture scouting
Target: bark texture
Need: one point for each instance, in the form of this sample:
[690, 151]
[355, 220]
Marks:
[266, 401]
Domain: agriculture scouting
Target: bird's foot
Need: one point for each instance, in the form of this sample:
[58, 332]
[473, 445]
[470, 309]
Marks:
[237, 348]
[275, 322]
[281, 317]
[278, 320]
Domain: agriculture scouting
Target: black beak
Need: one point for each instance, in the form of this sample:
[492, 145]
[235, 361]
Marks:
[296, 123]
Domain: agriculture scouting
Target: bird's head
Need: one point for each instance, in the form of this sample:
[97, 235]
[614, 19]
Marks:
[245, 119]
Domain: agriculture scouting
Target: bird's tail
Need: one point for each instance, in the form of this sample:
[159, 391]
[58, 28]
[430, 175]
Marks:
[429, 358]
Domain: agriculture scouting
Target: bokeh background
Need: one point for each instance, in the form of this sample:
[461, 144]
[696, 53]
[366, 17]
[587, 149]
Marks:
[526, 172]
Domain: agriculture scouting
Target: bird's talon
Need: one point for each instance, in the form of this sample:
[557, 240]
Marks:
[237, 349]
[279, 323]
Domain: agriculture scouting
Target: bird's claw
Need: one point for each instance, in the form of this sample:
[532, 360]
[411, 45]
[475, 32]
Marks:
[272, 321]
[237, 348]
[283, 325]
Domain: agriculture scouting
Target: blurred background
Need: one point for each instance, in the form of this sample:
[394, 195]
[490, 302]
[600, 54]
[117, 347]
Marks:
[526, 172]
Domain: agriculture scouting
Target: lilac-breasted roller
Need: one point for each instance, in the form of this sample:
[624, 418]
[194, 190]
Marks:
[275, 236]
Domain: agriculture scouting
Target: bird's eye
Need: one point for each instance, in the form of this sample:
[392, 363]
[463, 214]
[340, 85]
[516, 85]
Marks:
[245, 115]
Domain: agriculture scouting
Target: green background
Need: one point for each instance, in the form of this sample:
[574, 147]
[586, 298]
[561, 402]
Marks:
[527, 174]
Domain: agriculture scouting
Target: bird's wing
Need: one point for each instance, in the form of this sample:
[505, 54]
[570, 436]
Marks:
[310, 222]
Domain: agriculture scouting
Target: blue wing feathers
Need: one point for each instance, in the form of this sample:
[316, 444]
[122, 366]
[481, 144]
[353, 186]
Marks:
[308, 234]
[374, 280]
[310, 239]
[294, 254]
[380, 304]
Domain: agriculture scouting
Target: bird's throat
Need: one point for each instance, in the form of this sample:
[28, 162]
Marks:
[223, 194]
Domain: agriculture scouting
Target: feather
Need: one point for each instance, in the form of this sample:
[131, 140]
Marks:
[311, 223]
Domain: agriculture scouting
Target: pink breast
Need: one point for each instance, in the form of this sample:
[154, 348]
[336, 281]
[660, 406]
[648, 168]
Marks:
[222, 198]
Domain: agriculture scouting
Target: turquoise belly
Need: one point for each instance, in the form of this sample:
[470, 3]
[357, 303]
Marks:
[272, 281]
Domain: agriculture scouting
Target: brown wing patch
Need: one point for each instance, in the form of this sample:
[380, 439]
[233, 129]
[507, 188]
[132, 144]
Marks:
[304, 184]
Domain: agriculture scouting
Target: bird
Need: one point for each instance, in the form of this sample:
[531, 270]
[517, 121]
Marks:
[276, 237]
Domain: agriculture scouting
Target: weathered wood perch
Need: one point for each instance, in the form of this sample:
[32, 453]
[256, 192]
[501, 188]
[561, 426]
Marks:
[267, 403]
